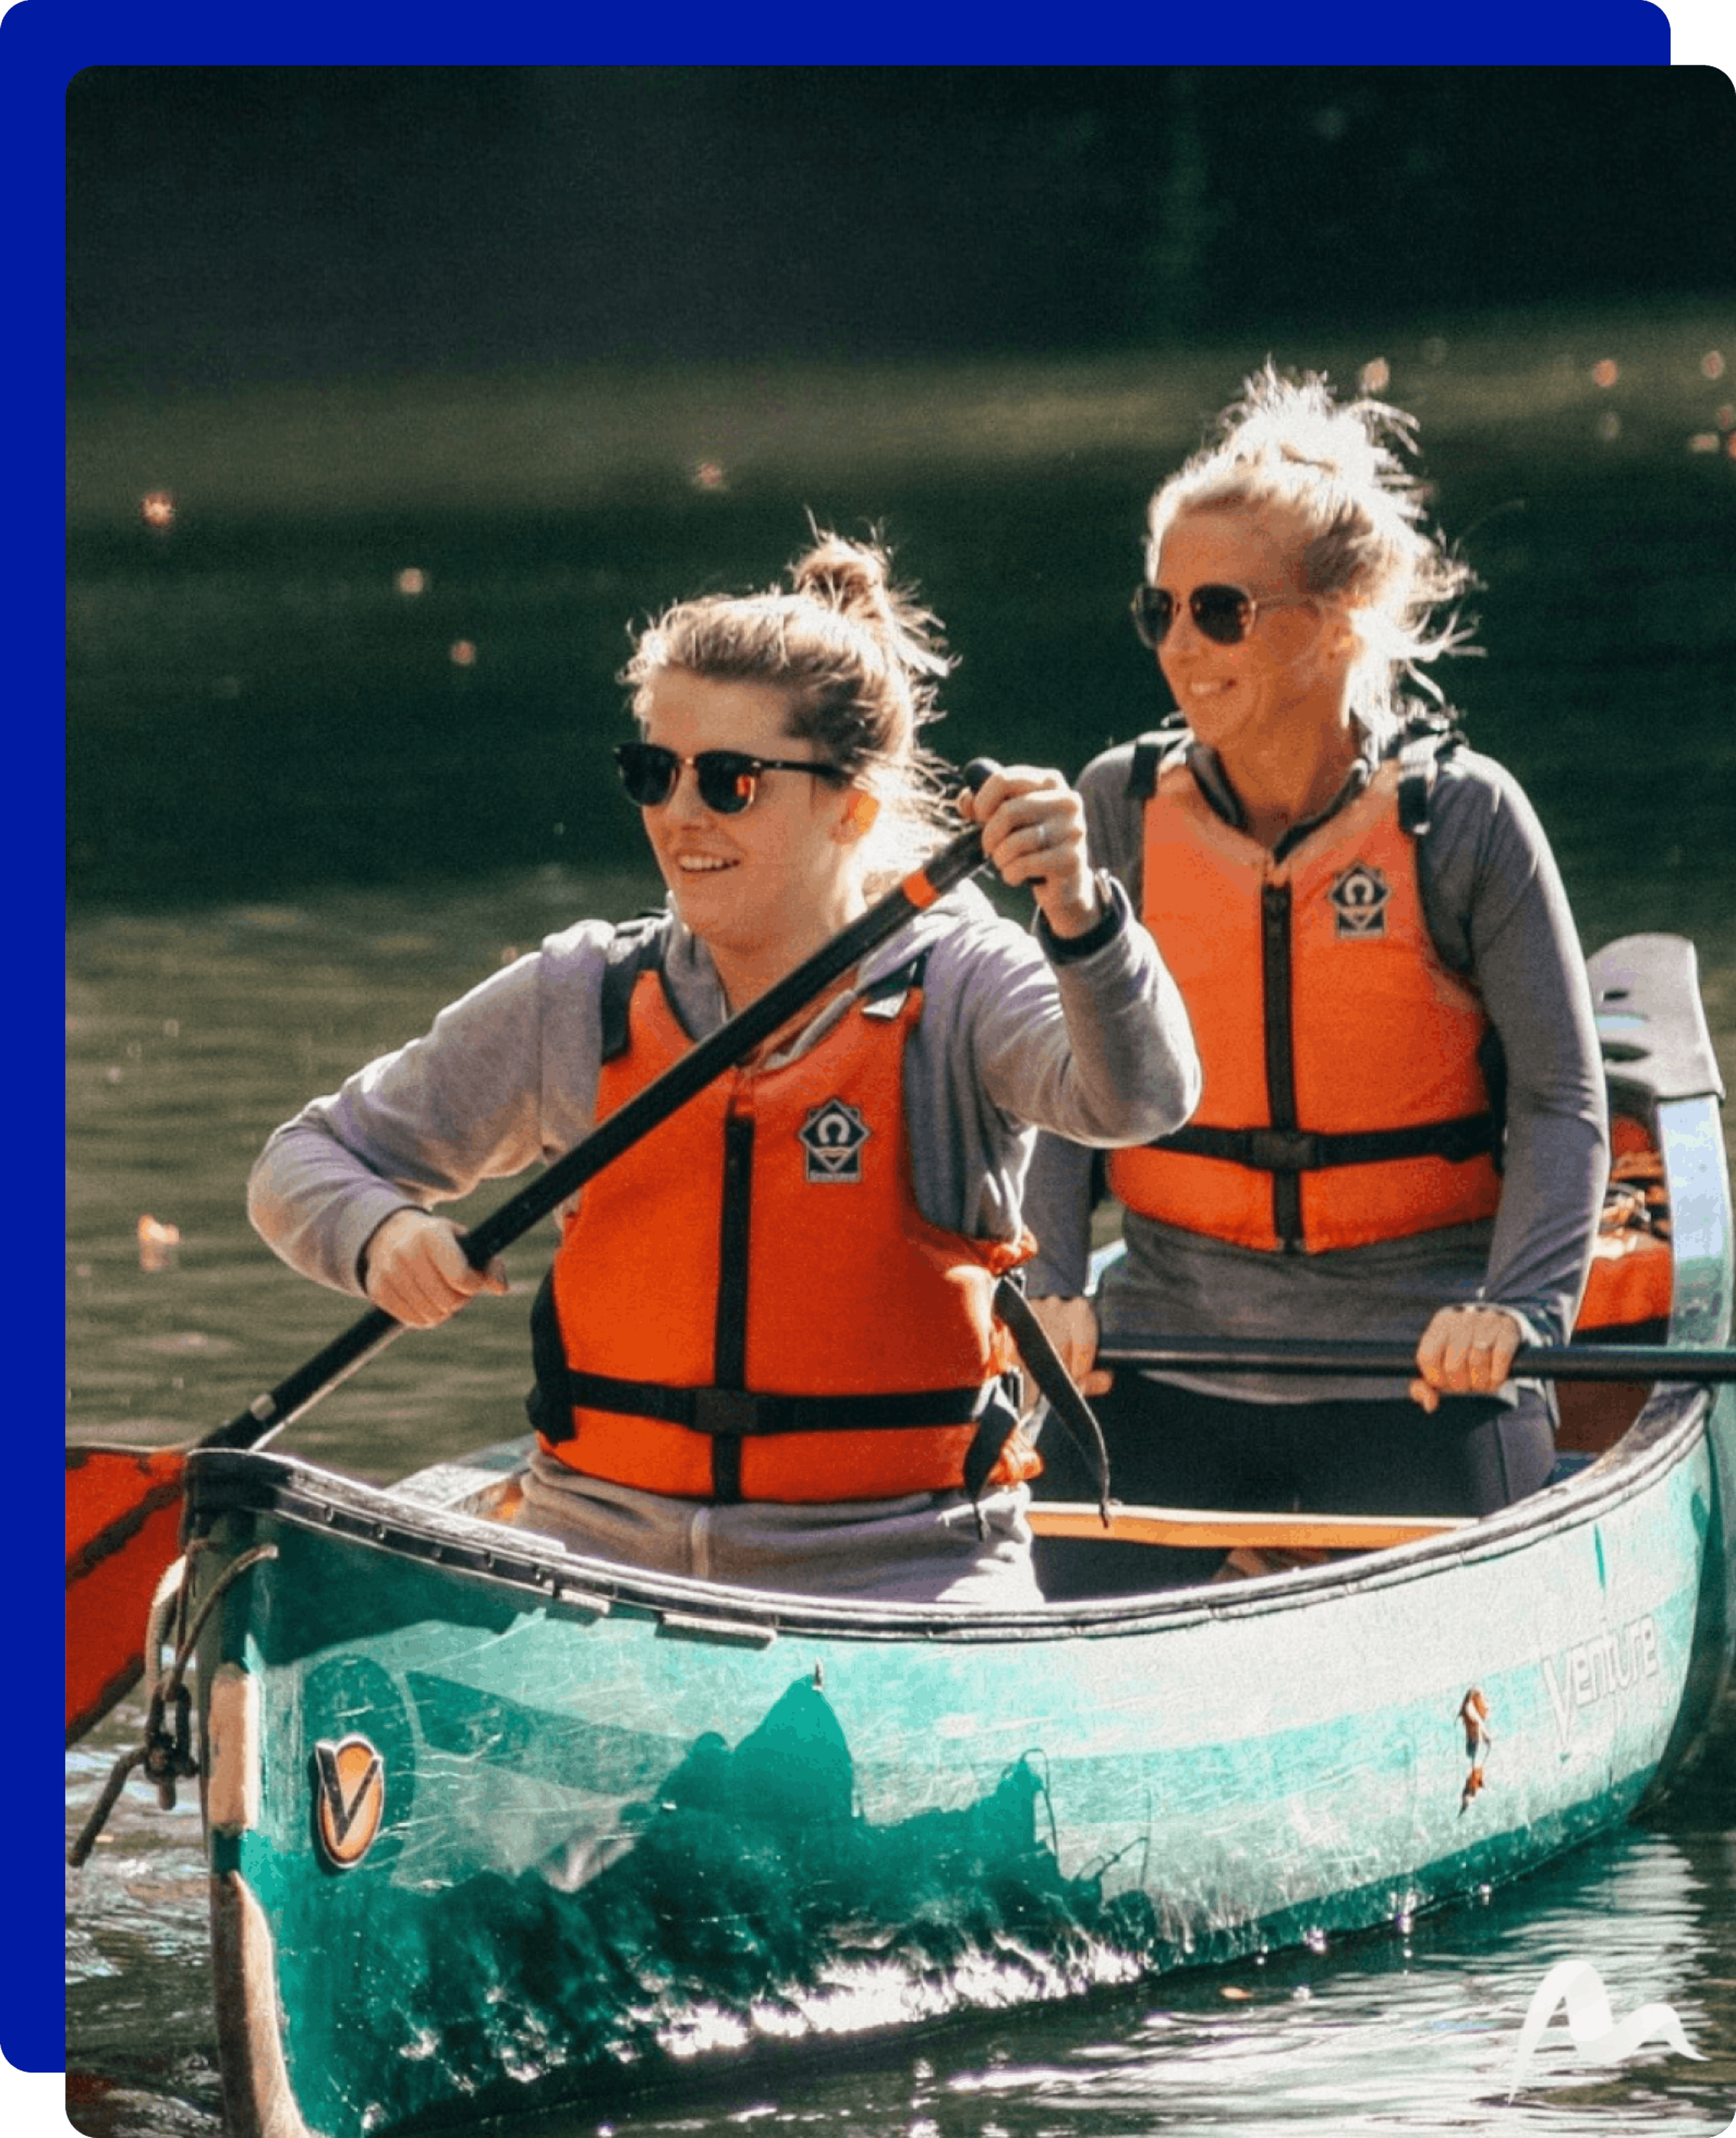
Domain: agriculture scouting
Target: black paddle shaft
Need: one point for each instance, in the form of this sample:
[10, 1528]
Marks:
[1537, 1362]
[961, 857]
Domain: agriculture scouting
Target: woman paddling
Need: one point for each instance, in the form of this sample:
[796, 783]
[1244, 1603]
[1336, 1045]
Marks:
[767, 1351]
[1402, 1134]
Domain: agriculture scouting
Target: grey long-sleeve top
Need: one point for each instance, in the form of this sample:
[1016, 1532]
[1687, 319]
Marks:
[1015, 1034]
[1497, 912]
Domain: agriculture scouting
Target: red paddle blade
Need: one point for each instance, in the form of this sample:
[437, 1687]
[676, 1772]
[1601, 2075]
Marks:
[123, 1532]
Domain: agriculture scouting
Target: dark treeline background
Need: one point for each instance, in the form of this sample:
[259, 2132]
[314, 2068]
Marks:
[438, 379]
[283, 221]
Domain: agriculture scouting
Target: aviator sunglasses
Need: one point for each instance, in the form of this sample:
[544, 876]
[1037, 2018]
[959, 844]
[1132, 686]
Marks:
[1225, 615]
[729, 778]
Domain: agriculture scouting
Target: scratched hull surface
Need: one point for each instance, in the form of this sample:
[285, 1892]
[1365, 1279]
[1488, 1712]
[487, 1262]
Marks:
[606, 1842]
[491, 1825]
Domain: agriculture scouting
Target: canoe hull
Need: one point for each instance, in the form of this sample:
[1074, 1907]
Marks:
[492, 1826]
[608, 1840]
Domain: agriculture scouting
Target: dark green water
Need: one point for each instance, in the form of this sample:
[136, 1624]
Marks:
[296, 827]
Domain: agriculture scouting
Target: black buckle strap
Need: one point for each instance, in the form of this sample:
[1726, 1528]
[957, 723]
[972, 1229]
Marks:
[1299, 1150]
[738, 1413]
[726, 1414]
[1426, 741]
[637, 946]
[1150, 752]
[729, 1416]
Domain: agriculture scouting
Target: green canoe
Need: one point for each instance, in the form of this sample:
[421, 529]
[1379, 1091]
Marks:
[491, 1826]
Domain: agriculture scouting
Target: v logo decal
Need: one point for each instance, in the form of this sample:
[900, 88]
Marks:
[351, 1797]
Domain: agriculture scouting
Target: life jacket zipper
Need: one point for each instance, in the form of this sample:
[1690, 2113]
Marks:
[1280, 1057]
[729, 1359]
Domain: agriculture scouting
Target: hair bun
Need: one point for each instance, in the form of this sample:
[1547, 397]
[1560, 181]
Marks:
[855, 579]
[860, 660]
[851, 577]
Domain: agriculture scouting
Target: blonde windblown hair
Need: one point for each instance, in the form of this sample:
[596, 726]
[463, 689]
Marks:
[1339, 467]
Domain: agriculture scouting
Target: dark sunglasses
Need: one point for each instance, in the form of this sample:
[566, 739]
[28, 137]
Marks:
[729, 778]
[1223, 614]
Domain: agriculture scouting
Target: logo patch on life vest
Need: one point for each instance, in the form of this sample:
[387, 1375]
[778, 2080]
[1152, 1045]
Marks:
[832, 1137]
[349, 1798]
[1359, 900]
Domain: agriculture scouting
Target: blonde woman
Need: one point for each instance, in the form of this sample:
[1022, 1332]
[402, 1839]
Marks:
[1402, 1134]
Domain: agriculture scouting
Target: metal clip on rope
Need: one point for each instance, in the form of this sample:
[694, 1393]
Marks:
[165, 1753]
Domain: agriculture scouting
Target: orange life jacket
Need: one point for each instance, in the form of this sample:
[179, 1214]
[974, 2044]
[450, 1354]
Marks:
[1632, 1277]
[1345, 1099]
[749, 1305]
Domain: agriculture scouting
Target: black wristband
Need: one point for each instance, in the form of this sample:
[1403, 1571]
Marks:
[1068, 949]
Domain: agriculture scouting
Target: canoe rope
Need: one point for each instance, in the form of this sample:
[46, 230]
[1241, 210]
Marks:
[165, 1752]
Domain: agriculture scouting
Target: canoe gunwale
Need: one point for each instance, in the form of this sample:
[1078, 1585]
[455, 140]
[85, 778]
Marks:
[223, 1481]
